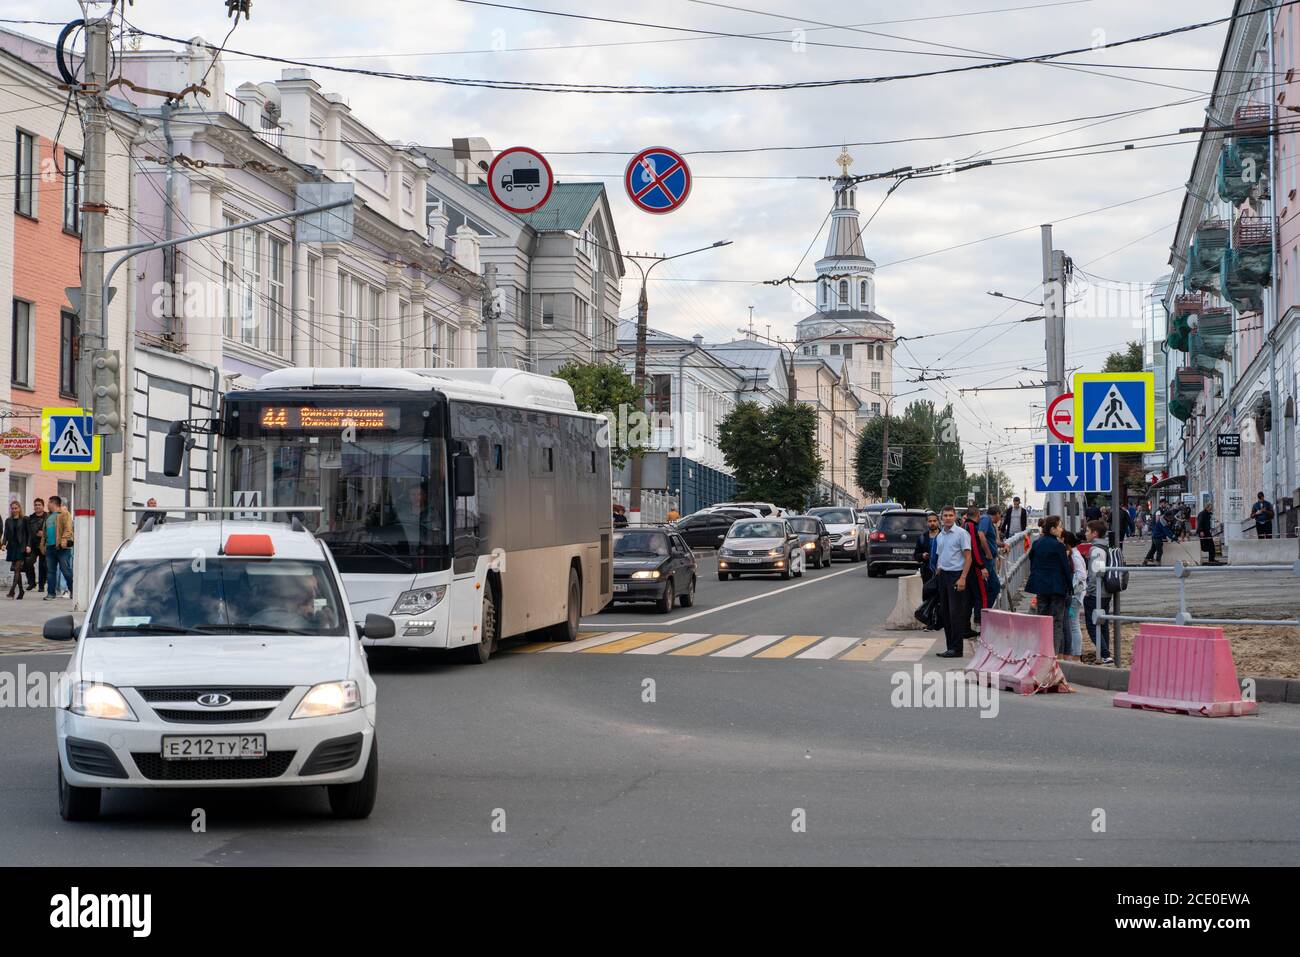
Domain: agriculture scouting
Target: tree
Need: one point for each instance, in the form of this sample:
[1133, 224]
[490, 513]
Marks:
[909, 438]
[996, 481]
[1132, 359]
[772, 451]
[948, 484]
[606, 389]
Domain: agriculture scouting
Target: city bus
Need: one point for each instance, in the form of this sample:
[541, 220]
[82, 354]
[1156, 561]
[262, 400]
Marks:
[468, 505]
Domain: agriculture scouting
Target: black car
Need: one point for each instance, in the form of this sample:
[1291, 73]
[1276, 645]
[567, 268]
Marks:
[708, 529]
[814, 539]
[653, 564]
[891, 543]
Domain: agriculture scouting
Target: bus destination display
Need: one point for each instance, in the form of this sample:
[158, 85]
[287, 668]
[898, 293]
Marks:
[311, 418]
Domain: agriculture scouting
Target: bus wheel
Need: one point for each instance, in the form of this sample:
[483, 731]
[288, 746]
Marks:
[567, 630]
[478, 654]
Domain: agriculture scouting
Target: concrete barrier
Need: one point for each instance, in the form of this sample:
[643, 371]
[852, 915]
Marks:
[1016, 652]
[1184, 669]
[909, 597]
[1261, 551]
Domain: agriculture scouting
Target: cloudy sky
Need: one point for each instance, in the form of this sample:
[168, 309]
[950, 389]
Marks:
[769, 203]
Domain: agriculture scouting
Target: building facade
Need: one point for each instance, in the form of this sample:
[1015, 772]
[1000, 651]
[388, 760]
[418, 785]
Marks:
[1232, 302]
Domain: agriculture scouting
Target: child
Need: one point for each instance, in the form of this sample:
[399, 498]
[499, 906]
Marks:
[1079, 582]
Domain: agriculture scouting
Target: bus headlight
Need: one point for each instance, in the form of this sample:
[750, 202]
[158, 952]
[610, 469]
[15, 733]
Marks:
[419, 601]
[330, 697]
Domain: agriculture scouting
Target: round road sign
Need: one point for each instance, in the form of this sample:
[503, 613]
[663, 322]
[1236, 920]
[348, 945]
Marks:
[520, 179]
[657, 180]
[1060, 417]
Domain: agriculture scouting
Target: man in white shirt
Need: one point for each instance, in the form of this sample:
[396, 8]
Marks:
[1016, 519]
[954, 560]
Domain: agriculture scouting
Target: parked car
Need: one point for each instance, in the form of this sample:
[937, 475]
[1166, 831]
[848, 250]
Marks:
[848, 532]
[893, 539]
[813, 538]
[242, 670]
[764, 509]
[761, 546]
[707, 529]
[653, 564]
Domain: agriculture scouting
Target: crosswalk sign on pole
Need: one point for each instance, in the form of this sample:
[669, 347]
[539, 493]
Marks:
[1114, 411]
[68, 441]
[1060, 468]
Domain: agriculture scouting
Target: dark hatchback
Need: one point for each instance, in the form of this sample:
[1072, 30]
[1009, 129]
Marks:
[653, 565]
[814, 539]
[891, 542]
[708, 529]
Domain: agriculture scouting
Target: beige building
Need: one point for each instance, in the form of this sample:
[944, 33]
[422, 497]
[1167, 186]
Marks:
[825, 383]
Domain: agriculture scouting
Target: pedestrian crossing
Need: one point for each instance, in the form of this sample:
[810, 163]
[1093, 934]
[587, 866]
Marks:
[889, 649]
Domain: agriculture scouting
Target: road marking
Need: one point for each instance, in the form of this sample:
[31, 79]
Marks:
[910, 649]
[707, 646]
[828, 648]
[788, 647]
[571, 646]
[869, 650]
[766, 594]
[668, 644]
[535, 646]
[748, 646]
[627, 644]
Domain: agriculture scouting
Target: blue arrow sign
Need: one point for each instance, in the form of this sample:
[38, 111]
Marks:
[1058, 468]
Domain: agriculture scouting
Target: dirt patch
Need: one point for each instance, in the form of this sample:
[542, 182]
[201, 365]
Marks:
[1260, 651]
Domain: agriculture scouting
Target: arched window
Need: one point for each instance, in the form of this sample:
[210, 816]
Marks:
[844, 291]
[862, 294]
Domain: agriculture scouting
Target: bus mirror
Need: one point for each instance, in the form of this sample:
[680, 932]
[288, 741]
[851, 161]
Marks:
[464, 475]
[173, 451]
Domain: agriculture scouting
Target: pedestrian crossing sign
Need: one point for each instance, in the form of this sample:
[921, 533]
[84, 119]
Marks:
[68, 440]
[1114, 411]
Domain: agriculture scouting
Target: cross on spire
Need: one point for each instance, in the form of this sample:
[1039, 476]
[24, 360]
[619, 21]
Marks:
[845, 160]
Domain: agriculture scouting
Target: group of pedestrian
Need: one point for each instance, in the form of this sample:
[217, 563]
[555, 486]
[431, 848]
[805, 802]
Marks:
[38, 548]
[1064, 567]
[958, 561]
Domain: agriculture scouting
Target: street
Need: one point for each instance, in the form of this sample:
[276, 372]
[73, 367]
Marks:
[556, 758]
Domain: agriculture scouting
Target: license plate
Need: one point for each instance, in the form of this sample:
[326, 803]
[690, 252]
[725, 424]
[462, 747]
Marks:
[620, 586]
[199, 747]
[750, 561]
[902, 551]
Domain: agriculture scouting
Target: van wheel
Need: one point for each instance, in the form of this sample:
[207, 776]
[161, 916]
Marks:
[77, 804]
[357, 800]
[481, 651]
[567, 630]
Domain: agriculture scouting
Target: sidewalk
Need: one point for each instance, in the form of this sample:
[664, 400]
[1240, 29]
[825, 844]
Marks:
[25, 618]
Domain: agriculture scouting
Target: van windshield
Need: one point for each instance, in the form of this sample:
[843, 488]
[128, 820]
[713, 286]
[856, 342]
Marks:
[188, 596]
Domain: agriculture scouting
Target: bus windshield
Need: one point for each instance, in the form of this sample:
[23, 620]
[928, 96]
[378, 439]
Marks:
[382, 489]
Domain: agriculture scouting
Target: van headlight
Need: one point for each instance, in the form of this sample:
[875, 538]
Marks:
[96, 700]
[327, 698]
[418, 601]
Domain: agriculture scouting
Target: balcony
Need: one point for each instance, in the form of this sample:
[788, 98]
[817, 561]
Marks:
[1187, 386]
[263, 129]
[1212, 334]
[1243, 168]
[1205, 256]
[1247, 267]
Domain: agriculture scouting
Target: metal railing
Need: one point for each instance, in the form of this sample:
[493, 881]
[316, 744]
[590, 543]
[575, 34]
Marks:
[1183, 571]
[1013, 571]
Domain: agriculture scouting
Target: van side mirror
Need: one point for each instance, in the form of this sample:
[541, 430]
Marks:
[62, 628]
[463, 477]
[173, 451]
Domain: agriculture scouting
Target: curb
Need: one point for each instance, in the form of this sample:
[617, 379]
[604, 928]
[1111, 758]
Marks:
[1272, 690]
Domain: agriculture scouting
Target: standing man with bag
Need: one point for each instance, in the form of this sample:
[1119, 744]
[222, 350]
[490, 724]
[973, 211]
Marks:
[953, 548]
[58, 546]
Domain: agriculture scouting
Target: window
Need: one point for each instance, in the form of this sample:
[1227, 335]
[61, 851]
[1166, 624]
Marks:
[68, 355]
[875, 408]
[862, 294]
[848, 350]
[25, 174]
[548, 309]
[835, 349]
[875, 382]
[356, 307]
[21, 367]
[230, 277]
[251, 277]
[582, 316]
[72, 187]
[433, 331]
[880, 353]
[373, 316]
[844, 291]
[313, 309]
[499, 458]
[810, 350]
[275, 331]
[661, 394]
[548, 460]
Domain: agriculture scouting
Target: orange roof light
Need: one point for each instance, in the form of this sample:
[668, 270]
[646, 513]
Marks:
[253, 546]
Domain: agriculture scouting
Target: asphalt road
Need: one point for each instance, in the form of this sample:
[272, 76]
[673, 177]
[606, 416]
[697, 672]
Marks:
[562, 750]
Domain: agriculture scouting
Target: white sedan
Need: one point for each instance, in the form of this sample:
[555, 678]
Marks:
[218, 654]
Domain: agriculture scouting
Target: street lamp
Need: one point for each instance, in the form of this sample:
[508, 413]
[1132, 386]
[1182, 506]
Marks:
[645, 264]
[884, 442]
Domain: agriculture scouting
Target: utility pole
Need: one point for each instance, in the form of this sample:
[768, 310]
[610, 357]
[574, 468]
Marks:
[1054, 323]
[490, 314]
[87, 524]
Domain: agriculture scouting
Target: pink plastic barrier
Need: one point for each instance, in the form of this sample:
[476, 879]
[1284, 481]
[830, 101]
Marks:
[1186, 669]
[1016, 651]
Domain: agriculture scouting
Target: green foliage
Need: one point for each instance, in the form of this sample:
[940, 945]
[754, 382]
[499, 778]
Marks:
[997, 482]
[914, 440]
[772, 451]
[1130, 360]
[947, 484]
[603, 387]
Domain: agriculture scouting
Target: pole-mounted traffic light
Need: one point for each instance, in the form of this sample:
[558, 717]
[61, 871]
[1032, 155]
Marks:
[105, 392]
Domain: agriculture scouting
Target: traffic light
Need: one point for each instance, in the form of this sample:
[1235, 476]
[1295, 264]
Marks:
[105, 391]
